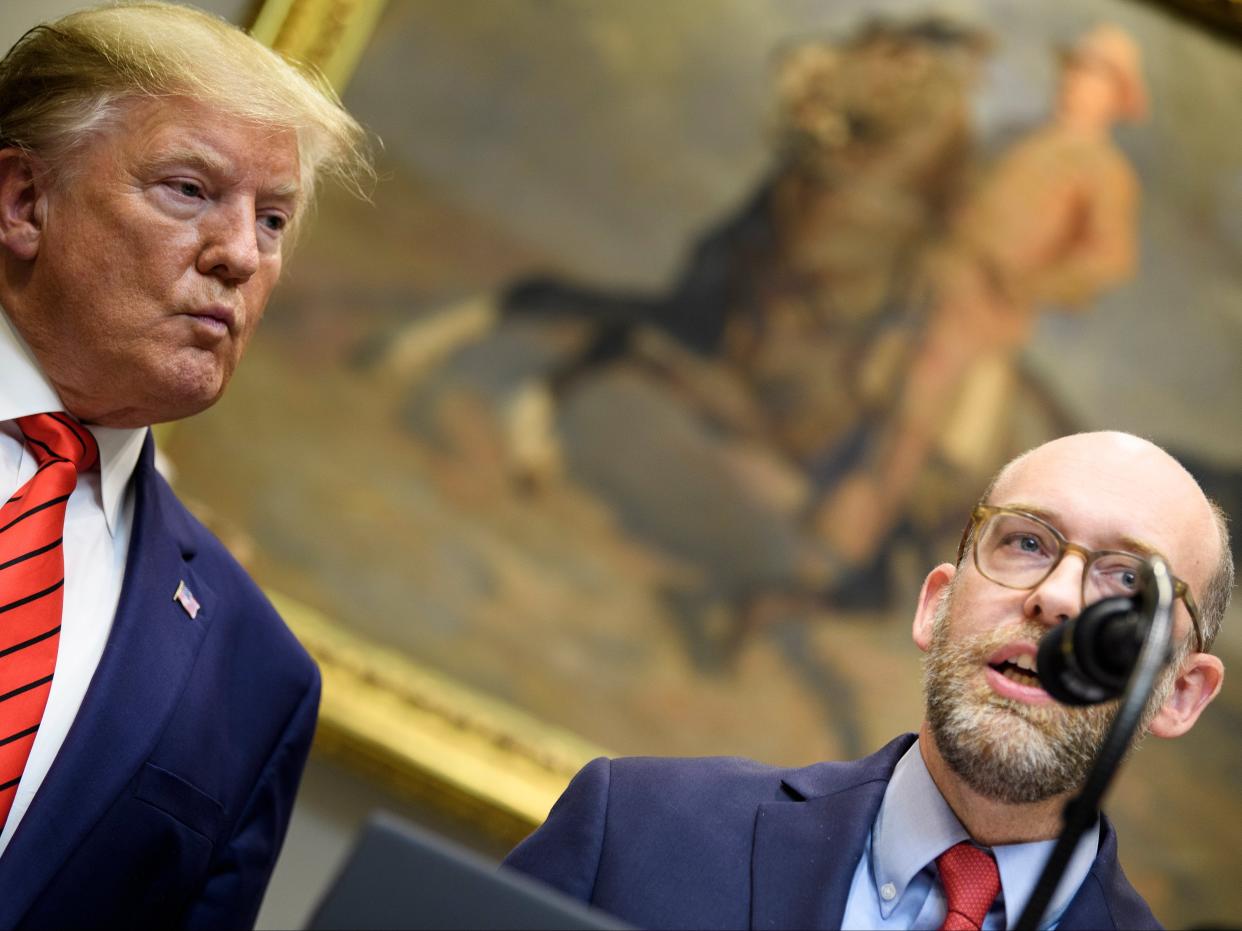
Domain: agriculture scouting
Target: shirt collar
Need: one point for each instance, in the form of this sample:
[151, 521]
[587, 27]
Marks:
[915, 825]
[24, 389]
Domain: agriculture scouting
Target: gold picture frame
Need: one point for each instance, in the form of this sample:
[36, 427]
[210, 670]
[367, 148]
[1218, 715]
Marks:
[426, 736]
[328, 34]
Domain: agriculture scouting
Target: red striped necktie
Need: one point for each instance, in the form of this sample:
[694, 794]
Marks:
[32, 580]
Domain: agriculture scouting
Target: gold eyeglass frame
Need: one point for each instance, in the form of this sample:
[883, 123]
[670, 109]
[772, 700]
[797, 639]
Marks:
[984, 512]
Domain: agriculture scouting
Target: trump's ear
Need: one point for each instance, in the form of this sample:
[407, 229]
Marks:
[22, 203]
[935, 587]
[1198, 682]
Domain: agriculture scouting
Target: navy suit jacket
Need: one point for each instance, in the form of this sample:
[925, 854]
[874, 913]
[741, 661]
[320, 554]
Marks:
[729, 843]
[168, 801]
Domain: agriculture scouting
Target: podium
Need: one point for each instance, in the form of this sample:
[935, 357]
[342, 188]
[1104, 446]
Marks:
[400, 876]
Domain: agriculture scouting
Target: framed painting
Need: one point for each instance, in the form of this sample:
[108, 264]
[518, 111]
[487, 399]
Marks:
[675, 345]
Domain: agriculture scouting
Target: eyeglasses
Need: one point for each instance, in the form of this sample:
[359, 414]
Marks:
[1019, 550]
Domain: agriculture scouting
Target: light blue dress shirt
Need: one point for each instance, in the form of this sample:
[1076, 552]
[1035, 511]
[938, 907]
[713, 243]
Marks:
[895, 884]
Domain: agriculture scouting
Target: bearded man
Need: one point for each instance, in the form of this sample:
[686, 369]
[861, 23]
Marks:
[155, 713]
[950, 827]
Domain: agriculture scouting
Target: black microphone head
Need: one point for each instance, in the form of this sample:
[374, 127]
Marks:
[1089, 659]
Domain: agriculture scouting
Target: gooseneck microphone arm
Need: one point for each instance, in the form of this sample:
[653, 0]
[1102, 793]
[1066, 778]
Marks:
[1155, 602]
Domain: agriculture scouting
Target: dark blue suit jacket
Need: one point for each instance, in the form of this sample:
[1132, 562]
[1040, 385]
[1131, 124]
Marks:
[168, 801]
[729, 843]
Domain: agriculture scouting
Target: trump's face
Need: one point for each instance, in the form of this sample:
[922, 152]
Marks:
[151, 259]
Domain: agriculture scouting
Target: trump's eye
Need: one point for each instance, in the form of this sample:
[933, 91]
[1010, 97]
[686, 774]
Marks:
[274, 222]
[189, 189]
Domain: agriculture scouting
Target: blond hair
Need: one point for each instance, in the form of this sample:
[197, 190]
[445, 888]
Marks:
[64, 81]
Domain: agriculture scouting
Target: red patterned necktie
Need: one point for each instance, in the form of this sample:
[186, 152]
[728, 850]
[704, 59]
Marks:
[32, 579]
[971, 881]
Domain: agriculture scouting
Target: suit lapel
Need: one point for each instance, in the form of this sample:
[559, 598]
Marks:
[1106, 899]
[805, 852]
[1088, 908]
[144, 667]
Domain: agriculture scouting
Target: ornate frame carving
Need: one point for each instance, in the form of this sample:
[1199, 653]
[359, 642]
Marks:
[328, 34]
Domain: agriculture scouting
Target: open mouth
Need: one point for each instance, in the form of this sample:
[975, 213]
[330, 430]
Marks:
[1019, 669]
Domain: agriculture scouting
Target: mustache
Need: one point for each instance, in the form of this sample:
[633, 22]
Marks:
[985, 643]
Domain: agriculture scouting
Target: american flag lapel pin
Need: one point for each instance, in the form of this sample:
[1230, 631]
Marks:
[184, 597]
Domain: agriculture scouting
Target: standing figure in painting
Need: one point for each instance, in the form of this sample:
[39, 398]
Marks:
[1052, 224]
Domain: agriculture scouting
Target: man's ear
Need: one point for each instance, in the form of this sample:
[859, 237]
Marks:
[935, 587]
[22, 203]
[1198, 682]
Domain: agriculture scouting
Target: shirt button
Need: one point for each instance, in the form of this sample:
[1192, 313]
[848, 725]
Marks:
[888, 892]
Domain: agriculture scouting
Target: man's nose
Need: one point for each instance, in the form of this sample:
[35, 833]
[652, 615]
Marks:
[230, 245]
[1058, 597]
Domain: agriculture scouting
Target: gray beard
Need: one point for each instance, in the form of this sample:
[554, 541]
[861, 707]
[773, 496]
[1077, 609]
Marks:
[1005, 750]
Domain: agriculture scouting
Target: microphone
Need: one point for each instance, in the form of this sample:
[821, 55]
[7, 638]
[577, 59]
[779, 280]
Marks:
[1089, 659]
[1116, 646]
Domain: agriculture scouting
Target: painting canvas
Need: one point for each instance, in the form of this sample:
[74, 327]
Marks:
[657, 373]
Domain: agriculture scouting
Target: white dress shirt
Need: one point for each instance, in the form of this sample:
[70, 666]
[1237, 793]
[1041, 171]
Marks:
[895, 884]
[97, 530]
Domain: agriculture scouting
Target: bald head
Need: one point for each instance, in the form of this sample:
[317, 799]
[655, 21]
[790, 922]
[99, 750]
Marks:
[1121, 491]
